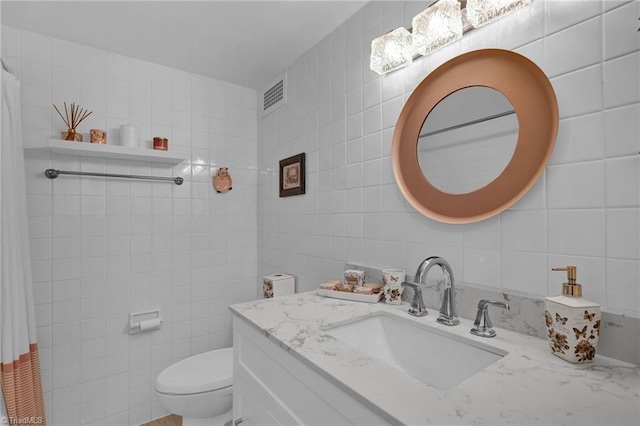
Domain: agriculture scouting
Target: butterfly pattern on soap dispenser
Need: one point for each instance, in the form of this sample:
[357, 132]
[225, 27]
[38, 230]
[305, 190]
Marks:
[561, 339]
[560, 319]
[580, 333]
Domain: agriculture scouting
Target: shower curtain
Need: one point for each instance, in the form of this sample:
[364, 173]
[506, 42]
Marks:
[19, 365]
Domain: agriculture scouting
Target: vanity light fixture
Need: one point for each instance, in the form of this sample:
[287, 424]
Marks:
[443, 22]
[482, 12]
[437, 26]
[391, 51]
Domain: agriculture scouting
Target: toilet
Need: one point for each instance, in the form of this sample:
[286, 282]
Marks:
[199, 388]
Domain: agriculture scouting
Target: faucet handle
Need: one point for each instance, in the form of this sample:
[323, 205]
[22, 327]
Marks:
[448, 308]
[417, 309]
[482, 325]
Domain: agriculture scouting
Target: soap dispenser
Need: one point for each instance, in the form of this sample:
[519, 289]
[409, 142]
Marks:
[573, 323]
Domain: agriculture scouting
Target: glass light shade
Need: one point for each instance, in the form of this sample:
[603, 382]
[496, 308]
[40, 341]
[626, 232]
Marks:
[391, 51]
[481, 12]
[437, 26]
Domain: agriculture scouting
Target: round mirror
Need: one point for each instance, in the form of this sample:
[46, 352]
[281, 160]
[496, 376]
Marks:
[467, 140]
[525, 87]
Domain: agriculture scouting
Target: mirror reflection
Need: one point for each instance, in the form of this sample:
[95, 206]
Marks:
[467, 139]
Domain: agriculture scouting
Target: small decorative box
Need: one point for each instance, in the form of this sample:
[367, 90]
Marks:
[277, 285]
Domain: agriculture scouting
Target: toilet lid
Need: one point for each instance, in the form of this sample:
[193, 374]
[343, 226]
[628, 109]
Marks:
[199, 373]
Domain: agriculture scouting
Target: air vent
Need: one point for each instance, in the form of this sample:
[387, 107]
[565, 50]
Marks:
[275, 95]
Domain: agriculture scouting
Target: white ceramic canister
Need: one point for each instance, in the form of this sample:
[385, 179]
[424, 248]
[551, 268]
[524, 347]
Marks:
[129, 136]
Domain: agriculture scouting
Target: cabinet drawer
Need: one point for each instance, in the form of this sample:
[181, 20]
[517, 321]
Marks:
[248, 408]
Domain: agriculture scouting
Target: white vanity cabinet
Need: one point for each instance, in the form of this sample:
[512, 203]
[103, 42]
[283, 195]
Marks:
[273, 387]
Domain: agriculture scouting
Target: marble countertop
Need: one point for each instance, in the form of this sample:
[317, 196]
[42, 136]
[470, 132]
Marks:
[527, 386]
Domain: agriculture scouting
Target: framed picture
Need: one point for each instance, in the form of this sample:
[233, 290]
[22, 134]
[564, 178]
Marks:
[292, 175]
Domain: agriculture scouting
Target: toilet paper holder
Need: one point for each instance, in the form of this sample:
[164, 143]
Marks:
[140, 322]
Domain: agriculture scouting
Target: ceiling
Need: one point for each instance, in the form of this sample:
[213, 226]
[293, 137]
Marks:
[243, 42]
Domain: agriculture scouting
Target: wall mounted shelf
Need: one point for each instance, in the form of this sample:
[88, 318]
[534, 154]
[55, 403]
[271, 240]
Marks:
[87, 149]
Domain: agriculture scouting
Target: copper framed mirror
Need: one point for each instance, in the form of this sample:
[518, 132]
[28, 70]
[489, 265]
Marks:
[527, 90]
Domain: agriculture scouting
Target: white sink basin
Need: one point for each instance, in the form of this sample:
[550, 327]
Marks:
[435, 357]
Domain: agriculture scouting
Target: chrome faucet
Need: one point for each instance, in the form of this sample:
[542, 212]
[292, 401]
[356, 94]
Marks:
[448, 308]
[417, 309]
[482, 326]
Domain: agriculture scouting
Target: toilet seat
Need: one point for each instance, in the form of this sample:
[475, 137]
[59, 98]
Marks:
[204, 372]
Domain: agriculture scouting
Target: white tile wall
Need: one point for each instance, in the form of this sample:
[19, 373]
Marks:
[104, 248]
[584, 210]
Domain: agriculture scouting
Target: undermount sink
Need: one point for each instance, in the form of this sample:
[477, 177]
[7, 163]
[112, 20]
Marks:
[426, 354]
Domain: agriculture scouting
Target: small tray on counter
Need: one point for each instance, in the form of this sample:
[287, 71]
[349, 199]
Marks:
[356, 297]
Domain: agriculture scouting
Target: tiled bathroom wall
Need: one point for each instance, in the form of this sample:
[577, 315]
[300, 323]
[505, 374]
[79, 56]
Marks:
[102, 248]
[583, 211]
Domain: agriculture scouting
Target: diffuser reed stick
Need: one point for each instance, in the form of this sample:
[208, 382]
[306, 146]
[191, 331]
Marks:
[72, 120]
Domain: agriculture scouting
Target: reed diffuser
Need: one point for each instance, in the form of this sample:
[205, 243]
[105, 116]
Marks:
[72, 118]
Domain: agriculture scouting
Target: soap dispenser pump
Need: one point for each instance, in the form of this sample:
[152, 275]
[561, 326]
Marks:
[573, 323]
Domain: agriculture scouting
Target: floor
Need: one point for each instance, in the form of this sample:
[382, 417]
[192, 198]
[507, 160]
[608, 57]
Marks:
[170, 420]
